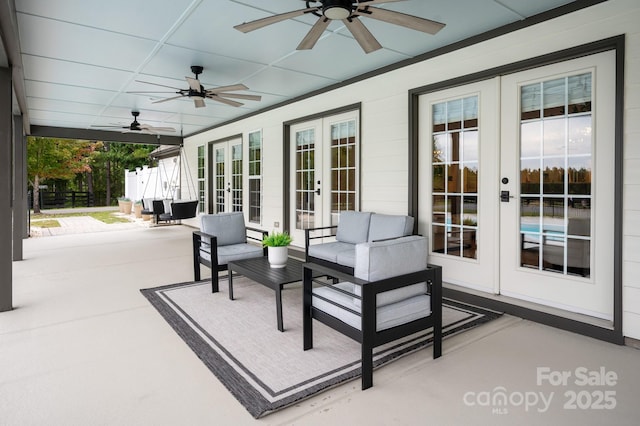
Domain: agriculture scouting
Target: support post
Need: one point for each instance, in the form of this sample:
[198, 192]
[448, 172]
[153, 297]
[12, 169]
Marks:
[6, 186]
[20, 225]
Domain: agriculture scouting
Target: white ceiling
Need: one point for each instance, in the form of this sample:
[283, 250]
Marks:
[81, 57]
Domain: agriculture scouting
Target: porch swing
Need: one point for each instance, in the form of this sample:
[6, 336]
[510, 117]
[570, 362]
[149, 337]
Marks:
[169, 208]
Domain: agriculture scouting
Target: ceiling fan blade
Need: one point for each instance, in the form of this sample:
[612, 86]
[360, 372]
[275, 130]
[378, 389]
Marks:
[148, 91]
[240, 96]
[259, 23]
[231, 88]
[161, 85]
[314, 34]
[156, 129]
[414, 22]
[199, 102]
[370, 2]
[194, 83]
[224, 101]
[167, 99]
[110, 127]
[363, 36]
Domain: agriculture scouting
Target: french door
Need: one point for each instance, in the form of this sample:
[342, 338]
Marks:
[517, 177]
[459, 144]
[557, 170]
[226, 188]
[324, 172]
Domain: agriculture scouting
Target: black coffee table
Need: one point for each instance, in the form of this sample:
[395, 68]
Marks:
[258, 269]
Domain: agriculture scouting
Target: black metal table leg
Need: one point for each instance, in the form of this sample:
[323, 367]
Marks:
[279, 307]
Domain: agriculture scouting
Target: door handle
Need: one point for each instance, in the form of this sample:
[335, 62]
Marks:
[318, 191]
[504, 196]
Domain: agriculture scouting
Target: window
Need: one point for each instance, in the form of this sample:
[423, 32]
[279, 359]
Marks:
[201, 180]
[255, 177]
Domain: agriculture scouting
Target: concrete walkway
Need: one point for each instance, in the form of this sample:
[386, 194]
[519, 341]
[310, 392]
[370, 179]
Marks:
[84, 224]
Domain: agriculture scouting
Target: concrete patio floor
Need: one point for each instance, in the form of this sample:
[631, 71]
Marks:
[84, 347]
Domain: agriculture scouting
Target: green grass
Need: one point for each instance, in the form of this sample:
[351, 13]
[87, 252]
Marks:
[46, 223]
[107, 217]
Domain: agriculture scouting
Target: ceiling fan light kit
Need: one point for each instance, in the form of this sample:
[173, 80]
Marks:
[349, 12]
[337, 9]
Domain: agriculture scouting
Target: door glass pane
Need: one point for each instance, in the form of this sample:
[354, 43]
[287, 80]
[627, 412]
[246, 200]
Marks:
[555, 175]
[305, 170]
[455, 174]
[236, 178]
[220, 178]
[343, 167]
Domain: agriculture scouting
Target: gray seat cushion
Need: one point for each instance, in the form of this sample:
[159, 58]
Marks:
[386, 317]
[330, 251]
[384, 226]
[230, 253]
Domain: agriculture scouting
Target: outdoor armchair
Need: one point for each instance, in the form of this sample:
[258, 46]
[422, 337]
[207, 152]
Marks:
[222, 239]
[393, 294]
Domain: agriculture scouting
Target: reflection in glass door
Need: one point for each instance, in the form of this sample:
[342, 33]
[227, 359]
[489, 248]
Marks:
[305, 170]
[455, 177]
[555, 175]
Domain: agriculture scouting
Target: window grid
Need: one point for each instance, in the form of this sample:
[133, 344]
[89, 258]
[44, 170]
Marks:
[220, 178]
[555, 175]
[455, 171]
[236, 178]
[201, 179]
[255, 177]
[343, 166]
[305, 175]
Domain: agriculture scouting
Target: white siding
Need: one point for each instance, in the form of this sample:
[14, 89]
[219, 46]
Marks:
[384, 99]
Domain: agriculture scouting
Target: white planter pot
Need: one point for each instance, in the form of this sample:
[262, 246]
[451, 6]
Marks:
[278, 256]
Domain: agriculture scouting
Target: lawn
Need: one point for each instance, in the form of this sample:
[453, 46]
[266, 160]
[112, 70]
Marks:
[47, 220]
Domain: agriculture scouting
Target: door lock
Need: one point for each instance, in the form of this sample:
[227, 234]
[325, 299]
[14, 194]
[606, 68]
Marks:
[504, 196]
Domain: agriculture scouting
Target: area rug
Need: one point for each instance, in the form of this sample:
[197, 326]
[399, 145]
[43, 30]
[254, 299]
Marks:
[265, 369]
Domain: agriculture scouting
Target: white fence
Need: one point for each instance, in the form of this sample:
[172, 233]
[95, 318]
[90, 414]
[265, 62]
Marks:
[162, 182]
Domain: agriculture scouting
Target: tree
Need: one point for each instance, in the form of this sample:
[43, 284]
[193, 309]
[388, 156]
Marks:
[49, 158]
[110, 163]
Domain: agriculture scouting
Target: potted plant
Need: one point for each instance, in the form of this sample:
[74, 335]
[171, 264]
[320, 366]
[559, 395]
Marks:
[124, 204]
[277, 244]
[137, 209]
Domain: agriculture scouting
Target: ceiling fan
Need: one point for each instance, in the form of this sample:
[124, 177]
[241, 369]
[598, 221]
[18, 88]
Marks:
[199, 93]
[349, 12]
[136, 126]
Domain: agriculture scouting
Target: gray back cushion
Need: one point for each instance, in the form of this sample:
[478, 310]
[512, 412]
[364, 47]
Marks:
[353, 227]
[384, 226]
[385, 259]
[228, 227]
